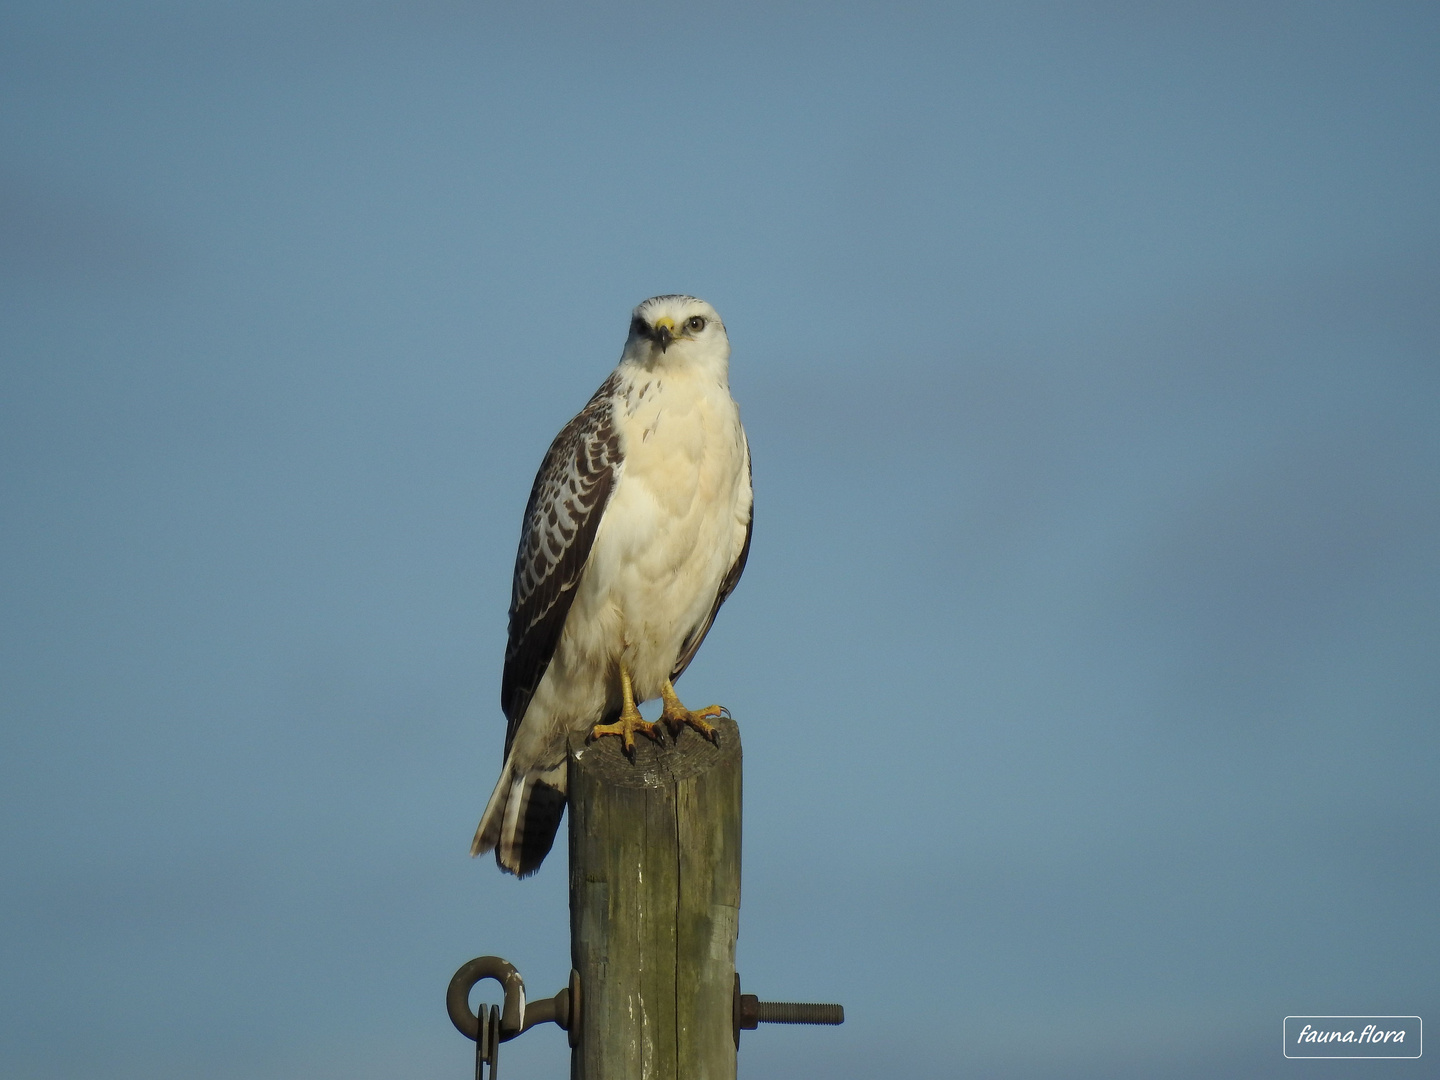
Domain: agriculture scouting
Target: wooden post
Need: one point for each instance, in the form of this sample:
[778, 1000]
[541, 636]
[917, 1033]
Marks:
[655, 906]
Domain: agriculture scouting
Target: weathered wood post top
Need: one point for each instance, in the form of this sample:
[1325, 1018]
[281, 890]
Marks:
[655, 905]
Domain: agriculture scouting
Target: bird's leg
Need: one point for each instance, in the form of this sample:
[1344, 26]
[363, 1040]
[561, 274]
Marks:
[676, 716]
[630, 720]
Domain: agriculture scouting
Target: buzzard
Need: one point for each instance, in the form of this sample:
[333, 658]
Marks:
[637, 530]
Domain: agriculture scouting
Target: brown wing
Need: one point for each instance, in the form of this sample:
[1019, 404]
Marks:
[564, 511]
[727, 586]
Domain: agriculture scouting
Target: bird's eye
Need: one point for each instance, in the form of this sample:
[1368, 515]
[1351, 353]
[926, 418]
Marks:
[695, 324]
[638, 327]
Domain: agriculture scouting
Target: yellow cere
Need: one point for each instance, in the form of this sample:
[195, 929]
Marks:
[666, 322]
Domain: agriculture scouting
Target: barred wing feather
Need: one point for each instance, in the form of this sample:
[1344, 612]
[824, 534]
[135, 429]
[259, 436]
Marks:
[566, 504]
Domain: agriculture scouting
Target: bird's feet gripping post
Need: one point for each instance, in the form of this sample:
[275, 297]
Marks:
[676, 716]
[630, 720]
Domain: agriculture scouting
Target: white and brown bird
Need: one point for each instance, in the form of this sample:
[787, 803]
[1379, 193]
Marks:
[637, 529]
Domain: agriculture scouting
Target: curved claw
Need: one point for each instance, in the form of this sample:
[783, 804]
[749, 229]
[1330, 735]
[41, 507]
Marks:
[626, 727]
[699, 719]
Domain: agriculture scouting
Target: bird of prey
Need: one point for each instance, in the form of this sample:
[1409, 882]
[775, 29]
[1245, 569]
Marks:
[637, 530]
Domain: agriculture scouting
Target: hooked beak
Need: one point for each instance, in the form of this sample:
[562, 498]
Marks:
[663, 332]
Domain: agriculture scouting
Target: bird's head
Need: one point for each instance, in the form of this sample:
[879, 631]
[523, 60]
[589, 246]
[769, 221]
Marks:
[676, 329]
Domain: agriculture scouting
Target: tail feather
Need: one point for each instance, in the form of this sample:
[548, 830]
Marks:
[522, 818]
[487, 833]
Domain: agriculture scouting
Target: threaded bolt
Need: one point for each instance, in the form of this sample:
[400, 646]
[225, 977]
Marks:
[798, 1012]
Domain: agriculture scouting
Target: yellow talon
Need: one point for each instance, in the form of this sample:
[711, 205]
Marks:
[629, 723]
[627, 727]
[677, 716]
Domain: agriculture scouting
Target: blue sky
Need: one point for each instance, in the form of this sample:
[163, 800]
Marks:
[1085, 659]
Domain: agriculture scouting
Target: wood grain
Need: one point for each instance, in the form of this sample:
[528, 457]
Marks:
[655, 905]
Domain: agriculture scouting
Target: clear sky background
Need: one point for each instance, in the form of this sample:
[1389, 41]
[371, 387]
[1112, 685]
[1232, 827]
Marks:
[1086, 659]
